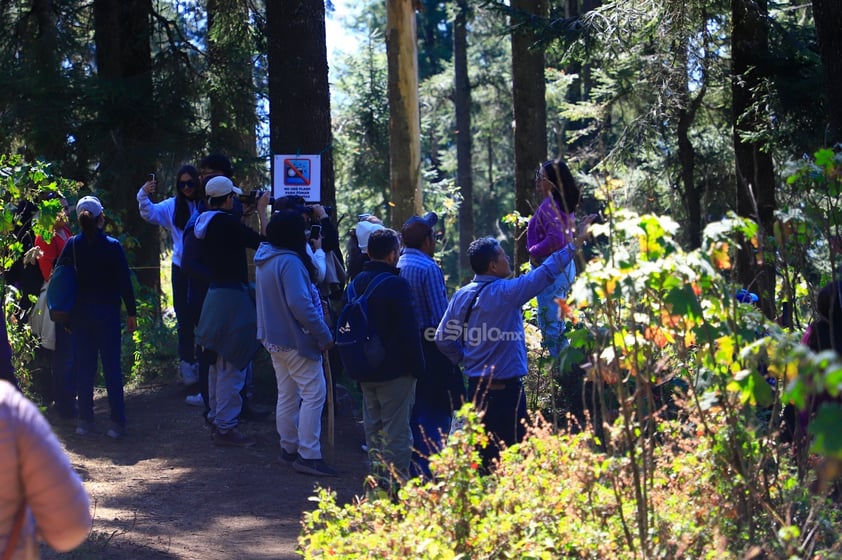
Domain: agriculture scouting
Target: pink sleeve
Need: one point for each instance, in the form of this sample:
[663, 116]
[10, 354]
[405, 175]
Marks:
[53, 491]
[805, 340]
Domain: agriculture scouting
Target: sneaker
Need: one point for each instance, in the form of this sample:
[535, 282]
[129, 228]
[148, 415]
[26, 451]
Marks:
[195, 400]
[232, 438]
[288, 458]
[188, 373]
[116, 431]
[313, 466]
[85, 428]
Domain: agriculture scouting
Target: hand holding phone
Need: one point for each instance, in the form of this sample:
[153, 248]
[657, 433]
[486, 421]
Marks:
[151, 184]
[315, 231]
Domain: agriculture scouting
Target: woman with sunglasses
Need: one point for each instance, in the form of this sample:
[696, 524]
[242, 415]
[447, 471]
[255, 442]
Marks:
[172, 214]
[552, 227]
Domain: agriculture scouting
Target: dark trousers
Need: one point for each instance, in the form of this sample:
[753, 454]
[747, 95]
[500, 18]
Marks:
[64, 374]
[504, 403]
[185, 323]
[97, 334]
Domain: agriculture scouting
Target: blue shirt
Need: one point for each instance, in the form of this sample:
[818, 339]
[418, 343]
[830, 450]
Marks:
[426, 281]
[493, 343]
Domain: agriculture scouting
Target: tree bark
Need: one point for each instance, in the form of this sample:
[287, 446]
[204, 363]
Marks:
[464, 135]
[299, 94]
[231, 95]
[828, 17]
[530, 109]
[122, 31]
[404, 117]
[755, 174]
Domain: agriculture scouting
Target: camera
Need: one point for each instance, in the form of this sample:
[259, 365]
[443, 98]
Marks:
[307, 209]
[253, 195]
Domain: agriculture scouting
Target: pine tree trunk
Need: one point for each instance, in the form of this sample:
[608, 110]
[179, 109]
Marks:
[404, 117]
[299, 94]
[828, 17]
[127, 109]
[464, 138]
[755, 174]
[530, 108]
[231, 95]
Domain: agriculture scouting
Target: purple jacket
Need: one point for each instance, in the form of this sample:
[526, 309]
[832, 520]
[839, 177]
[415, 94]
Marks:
[549, 230]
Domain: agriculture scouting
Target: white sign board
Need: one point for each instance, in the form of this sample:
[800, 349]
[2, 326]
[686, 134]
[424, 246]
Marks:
[298, 175]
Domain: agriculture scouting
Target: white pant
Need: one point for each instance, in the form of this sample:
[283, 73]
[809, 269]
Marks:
[300, 380]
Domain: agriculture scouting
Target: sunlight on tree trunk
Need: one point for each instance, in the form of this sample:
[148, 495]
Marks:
[404, 118]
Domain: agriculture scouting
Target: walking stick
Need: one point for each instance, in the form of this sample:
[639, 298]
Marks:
[329, 444]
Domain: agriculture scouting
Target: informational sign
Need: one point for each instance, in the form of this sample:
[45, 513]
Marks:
[298, 175]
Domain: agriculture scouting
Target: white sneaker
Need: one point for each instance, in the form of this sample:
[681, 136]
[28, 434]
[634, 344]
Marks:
[195, 400]
[188, 373]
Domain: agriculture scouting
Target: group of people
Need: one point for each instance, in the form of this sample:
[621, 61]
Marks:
[430, 341]
[409, 398]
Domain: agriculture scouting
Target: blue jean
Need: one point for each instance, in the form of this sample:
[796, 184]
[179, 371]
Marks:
[504, 403]
[96, 335]
[552, 328]
[64, 375]
[224, 384]
[430, 426]
[183, 316]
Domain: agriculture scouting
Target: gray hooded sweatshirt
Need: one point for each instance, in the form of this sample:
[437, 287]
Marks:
[286, 314]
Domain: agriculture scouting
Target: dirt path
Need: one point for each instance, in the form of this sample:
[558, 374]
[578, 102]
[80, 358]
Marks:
[166, 491]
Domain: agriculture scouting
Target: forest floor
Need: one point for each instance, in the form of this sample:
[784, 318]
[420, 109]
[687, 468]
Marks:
[165, 491]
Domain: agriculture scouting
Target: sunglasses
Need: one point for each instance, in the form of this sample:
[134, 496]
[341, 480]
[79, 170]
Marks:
[186, 184]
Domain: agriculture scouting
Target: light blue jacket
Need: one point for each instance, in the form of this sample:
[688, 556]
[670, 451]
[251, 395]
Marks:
[286, 314]
[494, 343]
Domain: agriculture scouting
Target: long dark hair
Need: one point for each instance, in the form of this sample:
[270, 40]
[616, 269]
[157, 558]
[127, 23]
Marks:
[565, 190]
[182, 205]
[286, 230]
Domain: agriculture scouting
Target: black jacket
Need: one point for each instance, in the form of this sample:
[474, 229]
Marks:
[391, 314]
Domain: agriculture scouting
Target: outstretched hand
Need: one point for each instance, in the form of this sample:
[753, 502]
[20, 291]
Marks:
[583, 229]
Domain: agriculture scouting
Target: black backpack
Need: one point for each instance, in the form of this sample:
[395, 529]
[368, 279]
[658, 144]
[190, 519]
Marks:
[360, 347]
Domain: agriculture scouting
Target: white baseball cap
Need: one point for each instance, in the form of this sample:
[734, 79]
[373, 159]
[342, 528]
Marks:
[220, 186]
[91, 204]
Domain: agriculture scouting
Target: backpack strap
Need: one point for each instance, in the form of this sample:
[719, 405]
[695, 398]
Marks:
[373, 283]
[471, 307]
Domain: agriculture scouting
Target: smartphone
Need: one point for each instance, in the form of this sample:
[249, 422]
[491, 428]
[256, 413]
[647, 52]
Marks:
[152, 177]
[315, 231]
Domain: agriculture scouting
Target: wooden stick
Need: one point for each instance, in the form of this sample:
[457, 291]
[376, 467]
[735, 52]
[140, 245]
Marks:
[329, 441]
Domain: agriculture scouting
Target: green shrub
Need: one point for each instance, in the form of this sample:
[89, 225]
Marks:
[681, 456]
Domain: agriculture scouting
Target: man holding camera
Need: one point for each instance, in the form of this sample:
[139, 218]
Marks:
[228, 323]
